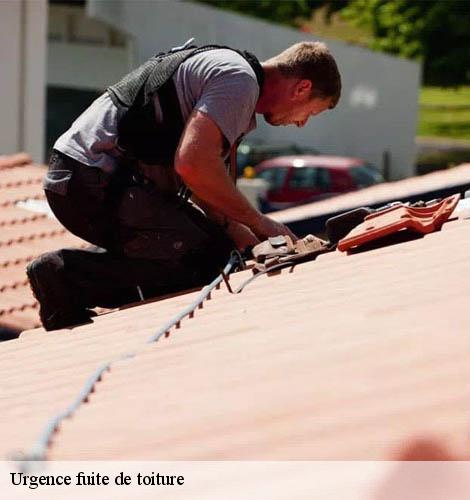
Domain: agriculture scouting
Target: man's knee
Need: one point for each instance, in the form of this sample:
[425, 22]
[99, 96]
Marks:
[47, 263]
[58, 305]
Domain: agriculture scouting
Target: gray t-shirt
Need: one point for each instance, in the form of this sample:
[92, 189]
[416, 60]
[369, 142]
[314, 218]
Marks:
[219, 83]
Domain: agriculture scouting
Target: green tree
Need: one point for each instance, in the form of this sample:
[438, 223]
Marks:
[436, 32]
[280, 11]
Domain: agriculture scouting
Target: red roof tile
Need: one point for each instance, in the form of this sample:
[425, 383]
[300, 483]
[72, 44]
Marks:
[14, 215]
[21, 176]
[20, 192]
[24, 235]
[347, 357]
[398, 218]
[13, 161]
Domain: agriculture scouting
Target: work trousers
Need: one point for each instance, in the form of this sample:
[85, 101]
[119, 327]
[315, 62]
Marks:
[146, 243]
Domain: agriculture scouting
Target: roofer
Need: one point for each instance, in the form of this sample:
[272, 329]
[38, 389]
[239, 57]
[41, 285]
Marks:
[126, 175]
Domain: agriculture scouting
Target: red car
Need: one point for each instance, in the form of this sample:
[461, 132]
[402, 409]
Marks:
[294, 180]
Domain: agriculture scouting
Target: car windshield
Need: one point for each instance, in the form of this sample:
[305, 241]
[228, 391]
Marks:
[275, 177]
[366, 175]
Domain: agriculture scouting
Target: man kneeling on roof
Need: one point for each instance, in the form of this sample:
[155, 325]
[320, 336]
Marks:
[141, 174]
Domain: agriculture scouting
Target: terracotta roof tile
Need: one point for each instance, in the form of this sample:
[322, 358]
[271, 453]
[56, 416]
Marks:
[397, 219]
[13, 161]
[21, 175]
[27, 250]
[30, 231]
[24, 234]
[12, 276]
[16, 299]
[22, 192]
[347, 357]
[21, 320]
[41, 373]
[13, 215]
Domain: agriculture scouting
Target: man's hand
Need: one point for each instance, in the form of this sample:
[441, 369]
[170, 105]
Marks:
[241, 235]
[266, 227]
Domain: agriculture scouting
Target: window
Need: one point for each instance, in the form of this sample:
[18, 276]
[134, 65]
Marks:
[310, 177]
[275, 177]
[366, 175]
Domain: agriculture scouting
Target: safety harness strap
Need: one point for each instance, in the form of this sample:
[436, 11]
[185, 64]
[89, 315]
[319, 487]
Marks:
[140, 136]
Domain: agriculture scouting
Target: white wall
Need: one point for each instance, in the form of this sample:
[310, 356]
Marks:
[378, 110]
[87, 67]
[22, 82]
[85, 53]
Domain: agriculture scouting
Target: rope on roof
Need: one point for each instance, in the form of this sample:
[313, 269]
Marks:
[39, 450]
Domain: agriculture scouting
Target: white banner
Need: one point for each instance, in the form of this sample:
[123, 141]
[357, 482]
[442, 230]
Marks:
[236, 480]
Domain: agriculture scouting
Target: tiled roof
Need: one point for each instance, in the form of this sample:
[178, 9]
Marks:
[24, 234]
[348, 357]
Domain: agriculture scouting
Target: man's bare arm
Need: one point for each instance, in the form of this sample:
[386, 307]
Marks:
[212, 214]
[241, 235]
[199, 163]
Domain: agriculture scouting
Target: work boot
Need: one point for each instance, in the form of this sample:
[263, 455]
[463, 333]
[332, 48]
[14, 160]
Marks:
[57, 309]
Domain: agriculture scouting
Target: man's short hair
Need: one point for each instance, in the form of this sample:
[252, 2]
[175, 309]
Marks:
[312, 61]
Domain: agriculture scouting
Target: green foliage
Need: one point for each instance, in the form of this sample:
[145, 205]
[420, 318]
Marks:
[444, 112]
[284, 12]
[289, 12]
[453, 123]
[451, 98]
[438, 159]
[434, 31]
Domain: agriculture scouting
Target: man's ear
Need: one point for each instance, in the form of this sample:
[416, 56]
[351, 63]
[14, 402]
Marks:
[303, 88]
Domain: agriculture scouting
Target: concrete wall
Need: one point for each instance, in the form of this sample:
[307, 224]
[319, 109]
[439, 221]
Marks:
[22, 81]
[85, 53]
[378, 110]
[104, 65]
